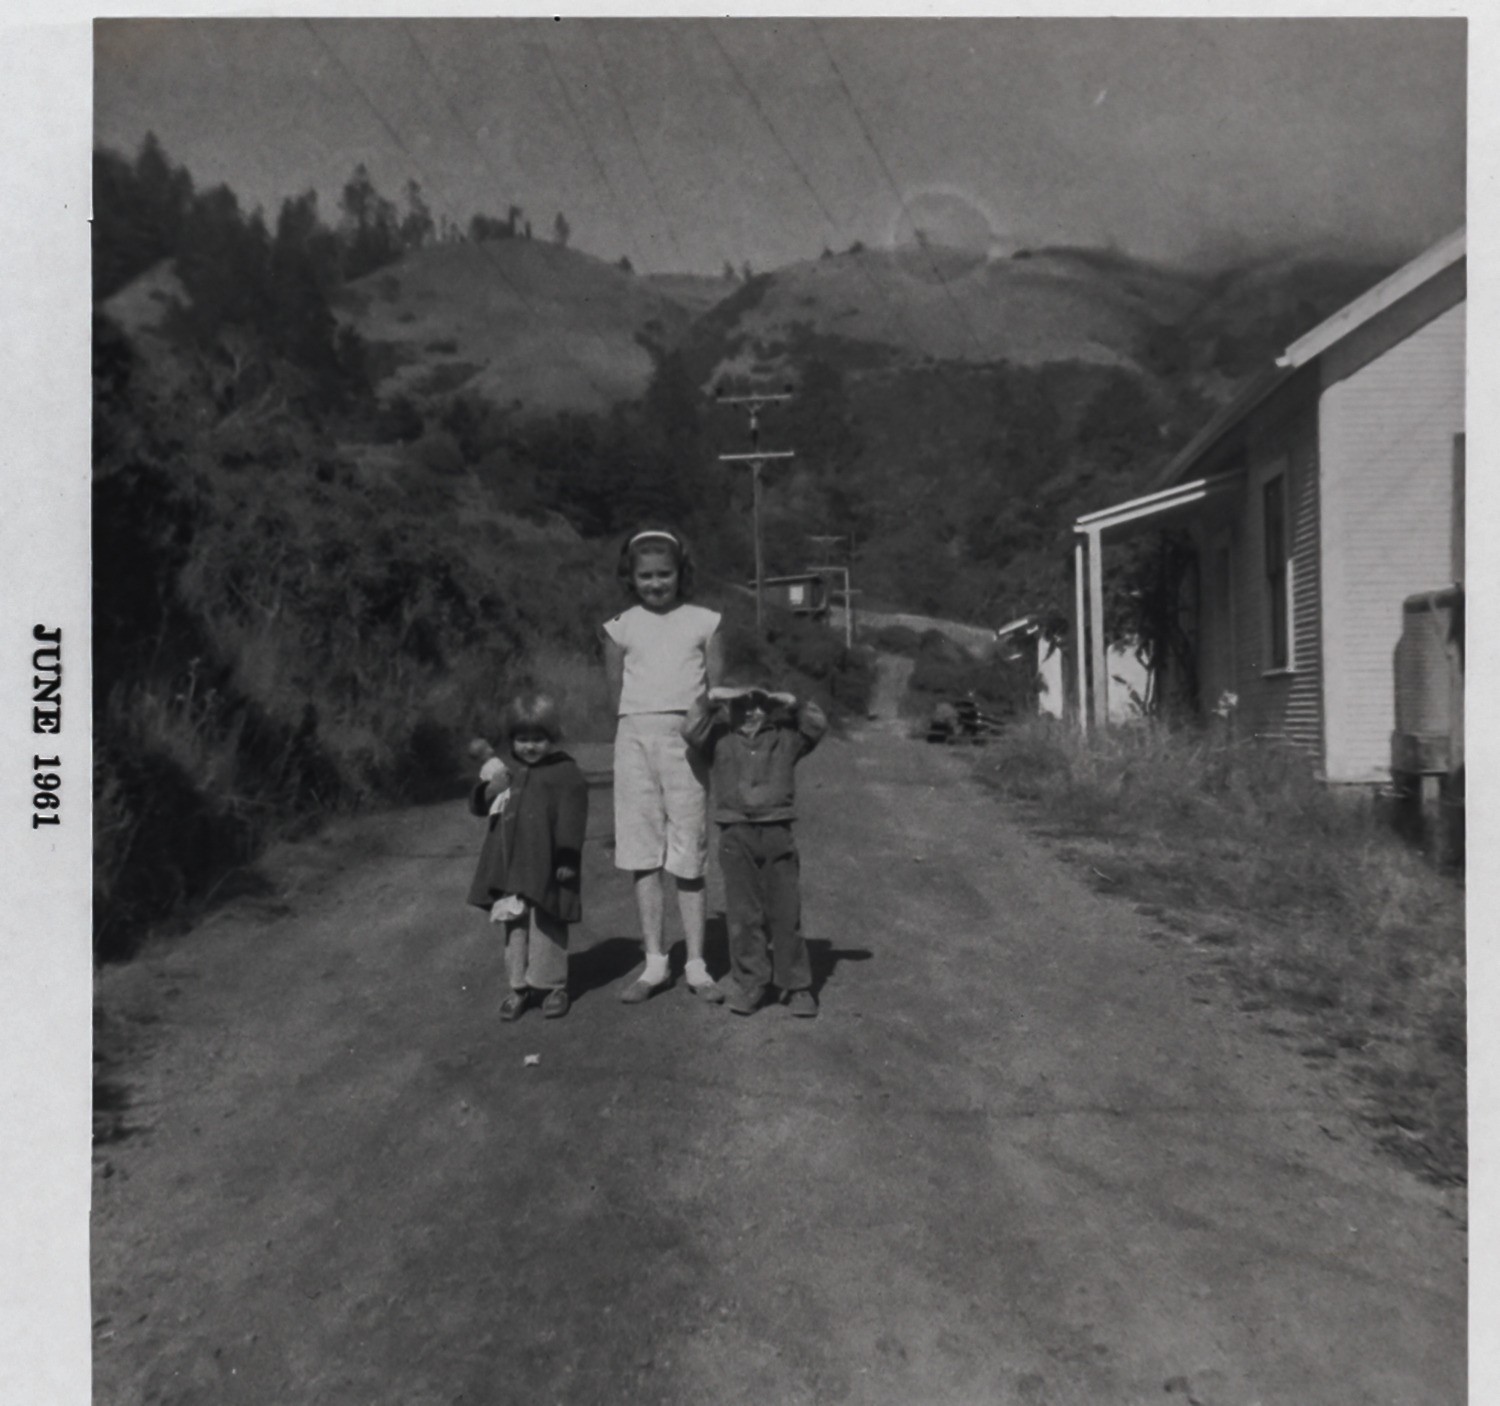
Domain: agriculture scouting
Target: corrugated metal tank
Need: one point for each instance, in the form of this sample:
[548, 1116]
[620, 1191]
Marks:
[1429, 683]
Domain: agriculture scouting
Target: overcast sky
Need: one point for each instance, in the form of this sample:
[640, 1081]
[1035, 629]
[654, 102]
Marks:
[683, 143]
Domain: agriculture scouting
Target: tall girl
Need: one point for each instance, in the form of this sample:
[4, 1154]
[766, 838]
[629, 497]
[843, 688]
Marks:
[660, 657]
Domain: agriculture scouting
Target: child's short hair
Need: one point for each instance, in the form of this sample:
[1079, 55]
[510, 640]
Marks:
[532, 712]
[656, 539]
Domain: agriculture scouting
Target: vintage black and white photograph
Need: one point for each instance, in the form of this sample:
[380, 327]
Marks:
[777, 711]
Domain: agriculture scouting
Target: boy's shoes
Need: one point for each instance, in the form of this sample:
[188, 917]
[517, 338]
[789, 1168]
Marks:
[512, 1006]
[746, 1002]
[639, 990]
[802, 1003]
[555, 1004]
[709, 991]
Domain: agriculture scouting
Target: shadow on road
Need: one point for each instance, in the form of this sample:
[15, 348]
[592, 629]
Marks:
[612, 957]
[825, 957]
[822, 955]
[605, 962]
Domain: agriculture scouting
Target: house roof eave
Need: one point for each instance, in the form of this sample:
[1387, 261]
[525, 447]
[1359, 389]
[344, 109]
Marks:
[1385, 294]
[1258, 390]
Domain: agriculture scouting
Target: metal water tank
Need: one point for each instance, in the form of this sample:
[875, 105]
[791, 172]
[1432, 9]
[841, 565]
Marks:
[1429, 682]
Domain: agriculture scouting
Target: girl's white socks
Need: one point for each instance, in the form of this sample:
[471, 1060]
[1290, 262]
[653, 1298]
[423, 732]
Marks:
[656, 969]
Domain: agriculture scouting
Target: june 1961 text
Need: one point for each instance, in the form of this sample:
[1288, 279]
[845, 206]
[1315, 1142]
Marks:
[46, 717]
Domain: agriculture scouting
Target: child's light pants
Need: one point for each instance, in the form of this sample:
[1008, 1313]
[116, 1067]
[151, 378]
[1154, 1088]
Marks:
[536, 952]
[763, 900]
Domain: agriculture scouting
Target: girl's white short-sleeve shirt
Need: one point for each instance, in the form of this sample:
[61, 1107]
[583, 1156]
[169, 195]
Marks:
[666, 656]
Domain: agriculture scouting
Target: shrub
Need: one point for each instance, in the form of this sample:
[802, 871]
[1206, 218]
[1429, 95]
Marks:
[898, 639]
[797, 654]
[945, 670]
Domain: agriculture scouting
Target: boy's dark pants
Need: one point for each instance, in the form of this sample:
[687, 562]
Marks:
[763, 899]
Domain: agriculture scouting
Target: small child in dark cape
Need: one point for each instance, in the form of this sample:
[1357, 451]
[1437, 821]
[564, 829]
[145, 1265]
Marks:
[528, 874]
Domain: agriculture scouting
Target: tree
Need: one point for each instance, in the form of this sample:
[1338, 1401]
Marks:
[417, 228]
[729, 274]
[624, 264]
[371, 230]
[1119, 431]
[223, 262]
[483, 228]
[561, 230]
[139, 209]
[303, 266]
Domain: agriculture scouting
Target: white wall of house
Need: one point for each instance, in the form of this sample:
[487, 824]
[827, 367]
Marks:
[1387, 420]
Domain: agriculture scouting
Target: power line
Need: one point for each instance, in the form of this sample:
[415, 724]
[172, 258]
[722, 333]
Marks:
[583, 131]
[890, 180]
[635, 142]
[395, 137]
[812, 190]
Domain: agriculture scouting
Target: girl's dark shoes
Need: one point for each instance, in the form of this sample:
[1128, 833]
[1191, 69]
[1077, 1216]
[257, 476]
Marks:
[512, 1006]
[555, 1004]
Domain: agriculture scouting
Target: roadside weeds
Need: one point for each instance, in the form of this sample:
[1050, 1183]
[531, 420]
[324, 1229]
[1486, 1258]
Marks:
[1350, 943]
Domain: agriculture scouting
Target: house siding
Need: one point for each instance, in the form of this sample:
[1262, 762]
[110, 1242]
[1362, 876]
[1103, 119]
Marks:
[1288, 704]
[1303, 719]
[1387, 424]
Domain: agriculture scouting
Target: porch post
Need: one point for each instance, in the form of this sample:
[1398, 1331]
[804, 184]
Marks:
[1096, 628]
[1080, 638]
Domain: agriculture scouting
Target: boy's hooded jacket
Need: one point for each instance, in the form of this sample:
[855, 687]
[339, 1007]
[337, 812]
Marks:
[753, 776]
[541, 827]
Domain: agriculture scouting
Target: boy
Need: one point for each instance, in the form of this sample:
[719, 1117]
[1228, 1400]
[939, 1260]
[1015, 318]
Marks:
[755, 738]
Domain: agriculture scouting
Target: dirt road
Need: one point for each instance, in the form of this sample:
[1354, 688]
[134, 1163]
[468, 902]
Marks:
[1024, 1155]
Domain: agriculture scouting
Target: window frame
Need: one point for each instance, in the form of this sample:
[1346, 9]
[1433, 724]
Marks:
[1277, 571]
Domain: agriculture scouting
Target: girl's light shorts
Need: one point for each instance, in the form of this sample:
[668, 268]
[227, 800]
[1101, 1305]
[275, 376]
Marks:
[661, 797]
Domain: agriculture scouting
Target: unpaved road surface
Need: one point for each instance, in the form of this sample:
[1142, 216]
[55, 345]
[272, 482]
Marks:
[1024, 1155]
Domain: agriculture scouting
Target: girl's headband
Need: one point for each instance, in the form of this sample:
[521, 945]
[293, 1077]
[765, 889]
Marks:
[639, 536]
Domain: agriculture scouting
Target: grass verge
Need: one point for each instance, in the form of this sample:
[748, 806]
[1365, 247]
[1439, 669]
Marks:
[1318, 914]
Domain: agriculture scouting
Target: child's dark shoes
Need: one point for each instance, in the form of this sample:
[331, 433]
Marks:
[555, 1004]
[802, 1003]
[512, 1006]
[746, 1002]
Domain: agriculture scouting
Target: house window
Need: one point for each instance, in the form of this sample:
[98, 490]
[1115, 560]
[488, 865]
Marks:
[1278, 574]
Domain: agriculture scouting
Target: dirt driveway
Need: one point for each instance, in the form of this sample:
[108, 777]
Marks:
[1025, 1155]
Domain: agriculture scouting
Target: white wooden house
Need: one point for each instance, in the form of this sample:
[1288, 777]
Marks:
[1324, 495]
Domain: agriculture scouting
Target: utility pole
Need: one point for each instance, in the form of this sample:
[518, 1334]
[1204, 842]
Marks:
[755, 459]
[826, 541]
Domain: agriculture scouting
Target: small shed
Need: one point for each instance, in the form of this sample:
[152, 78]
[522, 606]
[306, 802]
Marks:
[806, 593]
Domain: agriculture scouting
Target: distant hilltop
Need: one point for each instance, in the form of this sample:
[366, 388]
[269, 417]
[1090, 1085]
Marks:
[537, 327]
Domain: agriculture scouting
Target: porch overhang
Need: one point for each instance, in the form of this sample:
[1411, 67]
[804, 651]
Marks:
[1151, 511]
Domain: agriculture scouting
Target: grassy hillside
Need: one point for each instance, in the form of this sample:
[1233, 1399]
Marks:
[695, 293]
[956, 426]
[511, 321]
[938, 304]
